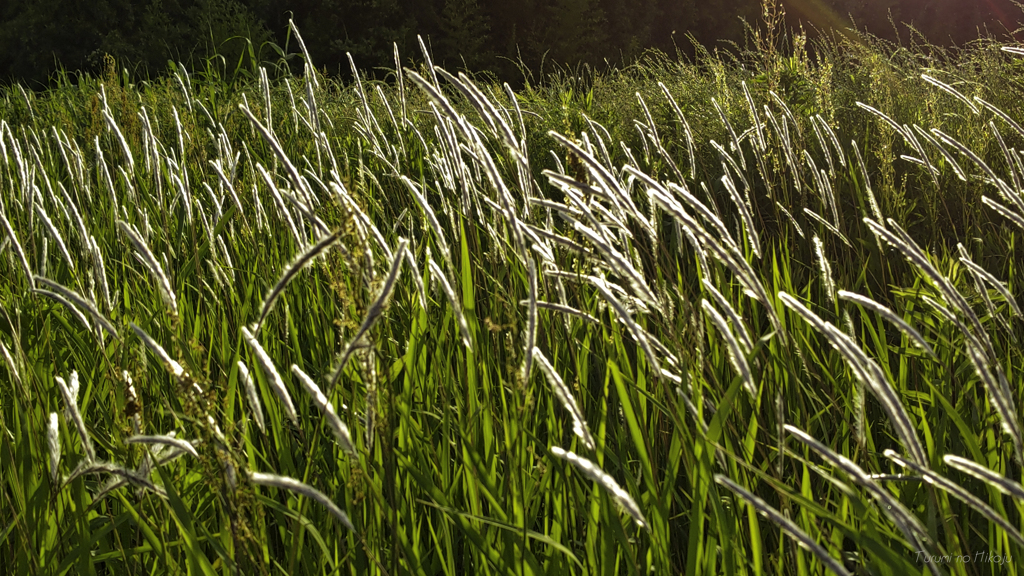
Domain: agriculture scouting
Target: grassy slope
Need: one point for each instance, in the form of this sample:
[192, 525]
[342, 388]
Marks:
[453, 470]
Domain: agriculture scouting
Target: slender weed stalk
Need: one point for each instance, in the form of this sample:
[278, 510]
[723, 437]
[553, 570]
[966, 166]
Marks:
[908, 524]
[80, 302]
[251, 396]
[825, 269]
[17, 249]
[60, 299]
[374, 313]
[130, 476]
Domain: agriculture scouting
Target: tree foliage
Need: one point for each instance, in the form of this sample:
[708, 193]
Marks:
[38, 37]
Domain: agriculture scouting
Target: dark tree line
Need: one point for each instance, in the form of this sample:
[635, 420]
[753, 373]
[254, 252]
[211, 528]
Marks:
[38, 37]
[944, 22]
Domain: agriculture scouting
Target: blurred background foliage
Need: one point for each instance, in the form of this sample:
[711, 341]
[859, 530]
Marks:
[512, 40]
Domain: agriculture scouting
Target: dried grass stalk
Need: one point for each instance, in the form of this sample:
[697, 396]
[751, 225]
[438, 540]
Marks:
[79, 301]
[273, 377]
[993, 479]
[157, 349]
[606, 481]
[564, 395]
[736, 354]
[889, 315]
[338, 428]
[868, 372]
[251, 396]
[292, 271]
[151, 263]
[960, 493]
[183, 445]
[293, 485]
[53, 443]
[787, 525]
[438, 275]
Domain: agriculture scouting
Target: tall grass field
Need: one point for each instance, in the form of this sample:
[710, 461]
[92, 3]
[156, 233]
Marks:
[756, 313]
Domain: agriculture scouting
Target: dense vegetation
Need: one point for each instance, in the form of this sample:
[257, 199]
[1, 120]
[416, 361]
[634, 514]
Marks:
[680, 318]
[38, 37]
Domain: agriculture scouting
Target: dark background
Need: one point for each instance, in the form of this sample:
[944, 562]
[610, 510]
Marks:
[39, 37]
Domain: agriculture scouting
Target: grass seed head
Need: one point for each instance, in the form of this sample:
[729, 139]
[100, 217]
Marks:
[606, 481]
[53, 442]
[273, 377]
